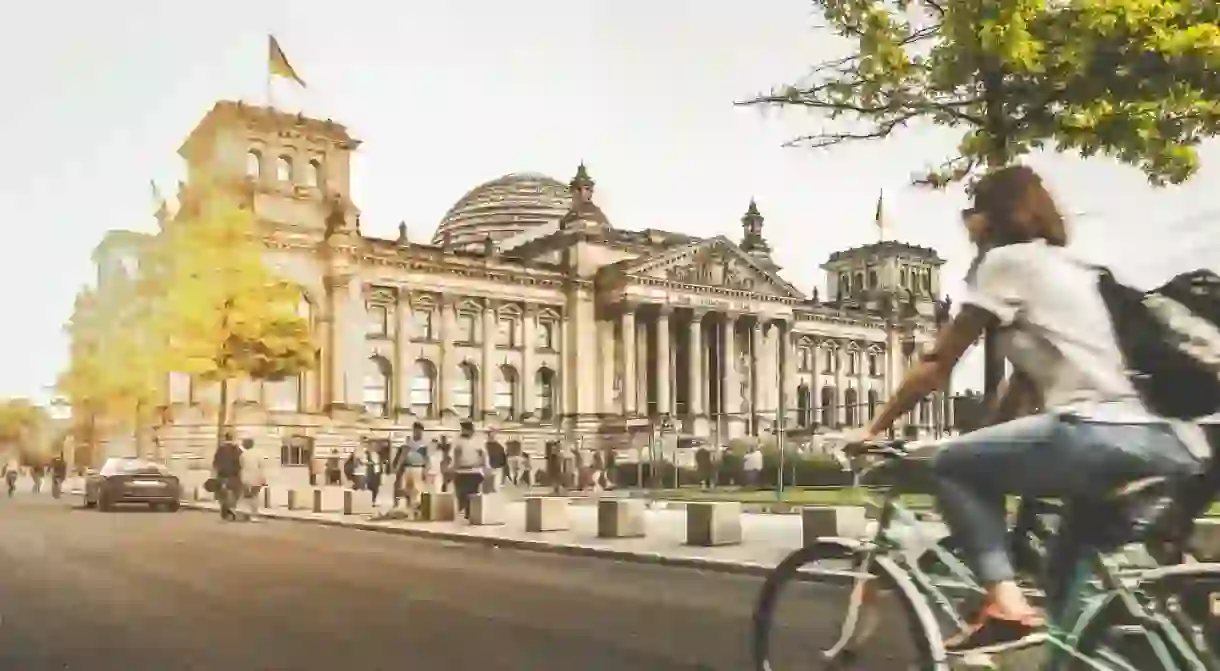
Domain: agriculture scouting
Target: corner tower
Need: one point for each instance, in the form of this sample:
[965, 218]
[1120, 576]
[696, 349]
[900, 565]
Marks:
[290, 168]
[889, 271]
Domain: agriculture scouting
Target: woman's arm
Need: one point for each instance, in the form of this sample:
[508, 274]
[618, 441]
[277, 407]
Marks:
[935, 366]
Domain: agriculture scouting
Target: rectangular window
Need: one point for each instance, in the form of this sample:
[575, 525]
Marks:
[874, 365]
[465, 329]
[423, 324]
[546, 336]
[830, 362]
[506, 335]
[379, 320]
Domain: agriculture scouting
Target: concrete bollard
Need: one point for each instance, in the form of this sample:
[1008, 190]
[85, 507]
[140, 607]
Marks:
[712, 523]
[546, 513]
[486, 509]
[195, 493]
[438, 507]
[357, 503]
[818, 521]
[266, 496]
[1205, 541]
[295, 499]
[316, 501]
[620, 518]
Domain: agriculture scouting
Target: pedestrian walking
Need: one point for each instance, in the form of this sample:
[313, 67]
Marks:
[59, 473]
[333, 471]
[414, 445]
[497, 463]
[516, 462]
[253, 479]
[36, 474]
[372, 473]
[446, 463]
[469, 464]
[11, 470]
[226, 470]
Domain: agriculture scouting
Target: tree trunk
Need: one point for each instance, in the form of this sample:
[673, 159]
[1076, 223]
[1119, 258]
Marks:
[222, 414]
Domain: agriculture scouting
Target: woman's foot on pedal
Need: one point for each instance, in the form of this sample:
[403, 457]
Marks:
[995, 632]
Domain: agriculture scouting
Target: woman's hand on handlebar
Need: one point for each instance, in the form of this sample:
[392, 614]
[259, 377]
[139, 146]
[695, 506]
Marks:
[856, 441]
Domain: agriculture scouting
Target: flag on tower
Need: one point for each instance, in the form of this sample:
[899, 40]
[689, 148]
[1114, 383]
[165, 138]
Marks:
[277, 62]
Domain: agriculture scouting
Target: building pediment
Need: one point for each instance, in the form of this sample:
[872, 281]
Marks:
[714, 262]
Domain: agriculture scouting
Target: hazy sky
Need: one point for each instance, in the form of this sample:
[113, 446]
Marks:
[449, 94]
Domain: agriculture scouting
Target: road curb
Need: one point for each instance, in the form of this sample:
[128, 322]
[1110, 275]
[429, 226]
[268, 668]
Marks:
[541, 546]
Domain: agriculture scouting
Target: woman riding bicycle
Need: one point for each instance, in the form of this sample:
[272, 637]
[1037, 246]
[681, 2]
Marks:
[1093, 434]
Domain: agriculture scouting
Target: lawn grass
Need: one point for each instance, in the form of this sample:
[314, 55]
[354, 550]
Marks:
[809, 497]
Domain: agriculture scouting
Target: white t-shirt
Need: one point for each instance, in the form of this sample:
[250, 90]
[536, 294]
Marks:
[1056, 329]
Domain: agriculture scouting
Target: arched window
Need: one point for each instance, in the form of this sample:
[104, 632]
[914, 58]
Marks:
[828, 406]
[872, 403]
[849, 403]
[283, 169]
[506, 392]
[254, 164]
[313, 174]
[463, 390]
[423, 384]
[377, 375]
[802, 405]
[544, 390]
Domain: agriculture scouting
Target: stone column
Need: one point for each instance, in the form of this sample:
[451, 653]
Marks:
[487, 381]
[447, 370]
[695, 383]
[862, 388]
[733, 419]
[404, 360]
[334, 352]
[840, 388]
[529, 373]
[756, 347]
[606, 368]
[815, 379]
[643, 375]
[788, 379]
[663, 369]
[627, 338]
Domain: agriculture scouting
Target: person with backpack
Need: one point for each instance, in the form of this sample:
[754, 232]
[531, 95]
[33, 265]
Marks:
[59, 473]
[226, 470]
[1083, 412]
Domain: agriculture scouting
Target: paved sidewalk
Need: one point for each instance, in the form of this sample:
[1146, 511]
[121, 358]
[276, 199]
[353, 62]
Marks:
[766, 539]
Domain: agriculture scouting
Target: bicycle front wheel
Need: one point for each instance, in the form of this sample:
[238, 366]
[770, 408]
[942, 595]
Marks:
[834, 606]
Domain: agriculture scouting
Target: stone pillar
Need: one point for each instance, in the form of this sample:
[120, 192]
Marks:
[862, 388]
[815, 379]
[695, 365]
[787, 357]
[333, 353]
[643, 375]
[606, 370]
[627, 338]
[529, 373]
[487, 380]
[840, 388]
[447, 370]
[404, 359]
[663, 369]
[733, 419]
[353, 329]
[756, 377]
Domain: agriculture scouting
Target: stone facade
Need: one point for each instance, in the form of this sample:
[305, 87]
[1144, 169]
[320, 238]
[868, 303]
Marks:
[549, 324]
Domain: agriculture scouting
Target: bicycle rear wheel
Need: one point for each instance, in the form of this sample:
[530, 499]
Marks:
[874, 627]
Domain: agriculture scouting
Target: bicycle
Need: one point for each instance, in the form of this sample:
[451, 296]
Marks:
[1094, 613]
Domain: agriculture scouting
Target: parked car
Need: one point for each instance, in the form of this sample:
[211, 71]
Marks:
[129, 480]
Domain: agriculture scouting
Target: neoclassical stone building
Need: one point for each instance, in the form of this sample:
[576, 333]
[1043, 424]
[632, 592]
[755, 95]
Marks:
[534, 312]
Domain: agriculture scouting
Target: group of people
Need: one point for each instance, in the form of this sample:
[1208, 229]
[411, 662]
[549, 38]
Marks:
[237, 476]
[58, 469]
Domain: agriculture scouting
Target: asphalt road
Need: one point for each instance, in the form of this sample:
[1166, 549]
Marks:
[130, 591]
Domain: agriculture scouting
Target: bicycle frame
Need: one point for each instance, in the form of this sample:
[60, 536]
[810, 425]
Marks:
[1090, 588]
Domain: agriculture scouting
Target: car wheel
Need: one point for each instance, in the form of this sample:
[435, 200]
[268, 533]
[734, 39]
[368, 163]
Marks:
[174, 507]
[103, 504]
[88, 503]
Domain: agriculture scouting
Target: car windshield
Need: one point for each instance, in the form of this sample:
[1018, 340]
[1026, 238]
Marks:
[132, 467]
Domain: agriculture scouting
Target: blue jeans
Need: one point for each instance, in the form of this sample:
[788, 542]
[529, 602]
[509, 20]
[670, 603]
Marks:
[1045, 455]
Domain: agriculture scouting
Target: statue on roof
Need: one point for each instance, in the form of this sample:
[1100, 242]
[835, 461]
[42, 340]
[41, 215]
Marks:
[583, 208]
[489, 246]
[402, 232]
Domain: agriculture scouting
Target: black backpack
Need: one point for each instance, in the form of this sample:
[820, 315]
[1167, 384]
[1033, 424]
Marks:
[1169, 340]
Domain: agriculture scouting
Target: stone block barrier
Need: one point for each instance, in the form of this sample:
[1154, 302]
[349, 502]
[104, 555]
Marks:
[315, 503]
[713, 523]
[620, 518]
[438, 507]
[357, 503]
[296, 499]
[546, 513]
[818, 521]
[487, 510]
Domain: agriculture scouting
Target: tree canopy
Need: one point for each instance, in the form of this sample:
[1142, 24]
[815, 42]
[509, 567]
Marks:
[22, 424]
[1132, 79]
[223, 313]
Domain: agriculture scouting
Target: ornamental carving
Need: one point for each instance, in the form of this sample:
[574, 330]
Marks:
[709, 267]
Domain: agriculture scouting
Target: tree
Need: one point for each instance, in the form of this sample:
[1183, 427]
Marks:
[221, 312]
[1132, 79]
[22, 424]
